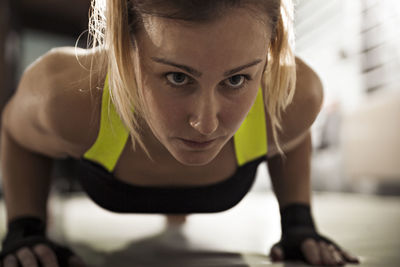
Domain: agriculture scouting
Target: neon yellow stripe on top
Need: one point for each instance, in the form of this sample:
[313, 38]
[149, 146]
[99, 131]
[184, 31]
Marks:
[251, 138]
[112, 135]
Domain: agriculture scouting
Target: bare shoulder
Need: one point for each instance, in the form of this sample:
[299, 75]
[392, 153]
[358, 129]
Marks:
[74, 104]
[54, 108]
[304, 109]
[307, 101]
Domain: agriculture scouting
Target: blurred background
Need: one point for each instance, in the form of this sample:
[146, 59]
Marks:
[354, 46]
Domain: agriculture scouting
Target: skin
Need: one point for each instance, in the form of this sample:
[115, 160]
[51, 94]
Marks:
[201, 110]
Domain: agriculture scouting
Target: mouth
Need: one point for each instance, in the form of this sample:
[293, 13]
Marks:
[198, 144]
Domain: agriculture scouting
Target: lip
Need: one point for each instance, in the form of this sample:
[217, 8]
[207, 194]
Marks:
[196, 144]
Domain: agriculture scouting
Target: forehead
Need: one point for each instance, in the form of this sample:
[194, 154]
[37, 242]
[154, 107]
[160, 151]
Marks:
[235, 33]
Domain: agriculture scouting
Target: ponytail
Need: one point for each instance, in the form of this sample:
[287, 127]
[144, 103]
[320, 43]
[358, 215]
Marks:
[122, 65]
[279, 79]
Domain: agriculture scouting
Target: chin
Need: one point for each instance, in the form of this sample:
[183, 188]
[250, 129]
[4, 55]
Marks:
[194, 158]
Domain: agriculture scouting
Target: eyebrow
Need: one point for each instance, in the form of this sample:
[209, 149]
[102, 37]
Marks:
[197, 73]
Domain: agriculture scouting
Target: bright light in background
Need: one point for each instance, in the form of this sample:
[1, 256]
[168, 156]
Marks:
[354, 46]
[328, 38]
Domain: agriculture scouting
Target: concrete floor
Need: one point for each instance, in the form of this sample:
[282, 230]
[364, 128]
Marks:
[366, 225]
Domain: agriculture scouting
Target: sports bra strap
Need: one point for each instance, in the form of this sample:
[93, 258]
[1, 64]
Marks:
[251, 138]
[112, 136]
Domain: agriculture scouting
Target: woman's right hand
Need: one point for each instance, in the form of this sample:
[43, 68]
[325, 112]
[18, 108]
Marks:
[26, 245]
[39, 255]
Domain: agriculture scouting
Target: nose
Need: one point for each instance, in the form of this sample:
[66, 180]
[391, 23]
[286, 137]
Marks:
[204, 118]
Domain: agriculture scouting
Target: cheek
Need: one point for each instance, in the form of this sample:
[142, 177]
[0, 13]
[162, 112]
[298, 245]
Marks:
[165, 113]
[234, 115]
[231, 117]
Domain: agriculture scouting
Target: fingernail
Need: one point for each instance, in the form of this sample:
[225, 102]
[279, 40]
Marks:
[355, 259]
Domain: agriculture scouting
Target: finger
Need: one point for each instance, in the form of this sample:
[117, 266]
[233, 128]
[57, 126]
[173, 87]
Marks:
[277, 253]
[349, 257]
[336, 255]
[26, 257]
[10, 261]
[326, 254]
[311, 251]
[46, 255]
[76, 261]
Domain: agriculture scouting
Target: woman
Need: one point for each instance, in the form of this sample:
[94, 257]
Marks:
[197, 85]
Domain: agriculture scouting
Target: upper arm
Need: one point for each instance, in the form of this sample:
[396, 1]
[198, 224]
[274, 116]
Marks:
[24, 116]
[44, 106]
[304, 109]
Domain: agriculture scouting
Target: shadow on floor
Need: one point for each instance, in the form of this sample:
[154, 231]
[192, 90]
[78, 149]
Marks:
[170, 248]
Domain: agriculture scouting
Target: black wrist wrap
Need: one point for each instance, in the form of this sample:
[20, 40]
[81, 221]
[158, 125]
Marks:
[296, 215]
[26, 226]
[27, 232]
[19, 230]
[297, 226]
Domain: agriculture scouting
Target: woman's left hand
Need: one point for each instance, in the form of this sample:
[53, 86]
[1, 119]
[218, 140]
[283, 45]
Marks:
[302, 243]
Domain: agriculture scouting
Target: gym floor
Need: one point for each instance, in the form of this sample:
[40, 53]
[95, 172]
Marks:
[366, 225]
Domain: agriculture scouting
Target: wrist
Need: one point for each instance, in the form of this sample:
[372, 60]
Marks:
[26, 226]
[24, 231]
[295, 215]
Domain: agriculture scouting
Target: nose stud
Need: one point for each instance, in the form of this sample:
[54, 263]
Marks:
[194, 124]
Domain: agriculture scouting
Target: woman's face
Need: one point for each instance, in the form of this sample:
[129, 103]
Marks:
[200, 80]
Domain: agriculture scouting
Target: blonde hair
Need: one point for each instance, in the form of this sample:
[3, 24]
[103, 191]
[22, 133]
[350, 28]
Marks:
[279, 81]
[111, 27]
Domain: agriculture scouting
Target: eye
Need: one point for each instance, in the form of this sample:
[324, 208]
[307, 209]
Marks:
[237, 81]
[177, 78]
